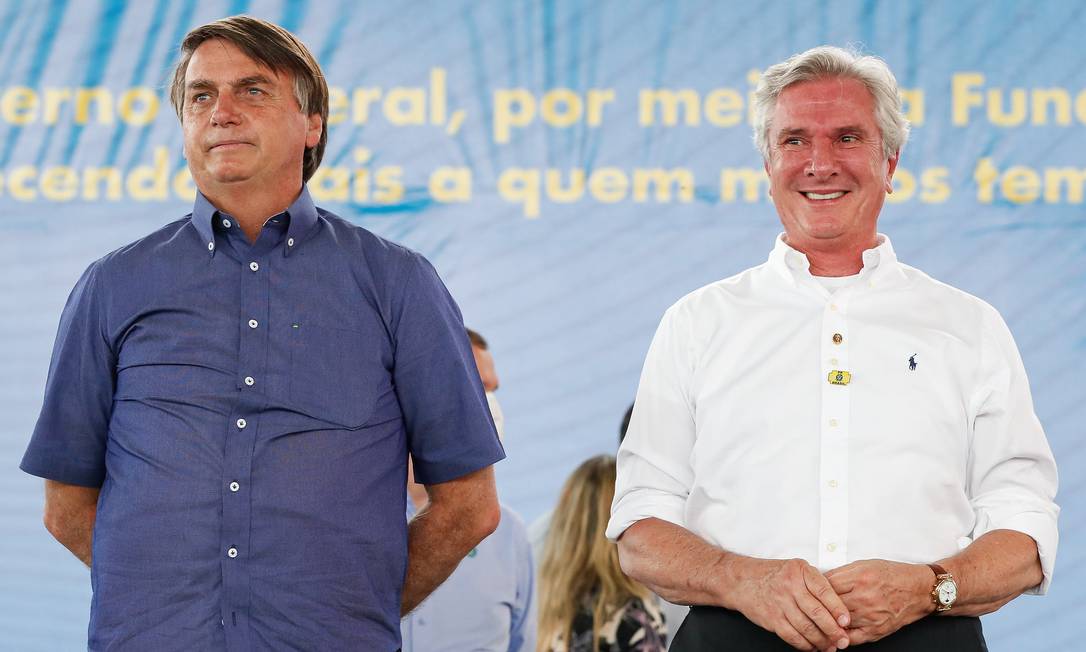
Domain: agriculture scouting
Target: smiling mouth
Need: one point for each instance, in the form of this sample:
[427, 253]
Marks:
[816, 196]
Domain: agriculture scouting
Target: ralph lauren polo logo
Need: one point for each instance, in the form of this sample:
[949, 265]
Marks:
[912, 362]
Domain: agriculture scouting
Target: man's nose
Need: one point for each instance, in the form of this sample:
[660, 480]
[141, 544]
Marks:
[226, 111]
[823, 161]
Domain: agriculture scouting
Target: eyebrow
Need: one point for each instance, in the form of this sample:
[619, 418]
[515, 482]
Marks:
[200, 84]
[799, 131]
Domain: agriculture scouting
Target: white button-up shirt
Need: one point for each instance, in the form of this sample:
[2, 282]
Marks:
[888, 419]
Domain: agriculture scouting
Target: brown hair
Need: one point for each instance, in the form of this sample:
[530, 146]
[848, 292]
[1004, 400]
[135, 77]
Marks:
[476, 339]
[579, 563]
[277, 49]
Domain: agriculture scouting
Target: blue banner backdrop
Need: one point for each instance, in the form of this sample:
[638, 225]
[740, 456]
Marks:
[571, 168]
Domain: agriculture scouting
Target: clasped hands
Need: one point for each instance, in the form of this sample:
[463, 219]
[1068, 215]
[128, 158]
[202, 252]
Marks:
[856, 603]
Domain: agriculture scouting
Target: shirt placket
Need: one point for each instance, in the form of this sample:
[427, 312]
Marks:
[836, 381]
[244, 424]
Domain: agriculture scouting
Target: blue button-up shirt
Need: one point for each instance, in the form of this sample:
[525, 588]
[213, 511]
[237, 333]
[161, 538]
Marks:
[486, 604]
[247, 410]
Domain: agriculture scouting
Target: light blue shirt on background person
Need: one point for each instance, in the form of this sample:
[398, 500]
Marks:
[486, 605]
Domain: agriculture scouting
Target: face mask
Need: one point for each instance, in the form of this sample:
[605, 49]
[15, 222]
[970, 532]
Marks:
[496, 413]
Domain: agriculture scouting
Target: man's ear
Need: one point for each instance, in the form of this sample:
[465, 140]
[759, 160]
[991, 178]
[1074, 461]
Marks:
[313, 130]
[891, 167]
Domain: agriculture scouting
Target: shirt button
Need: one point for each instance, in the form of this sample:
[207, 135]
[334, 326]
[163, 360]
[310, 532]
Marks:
[241, 424]
[211, 246]
[232, 552]
[838, 338]
[832, 483]
[234, 486]
[833, 307]
[833, 423]
[254, 266]
[226, 223]
[253, 323]
[831, 546]
[833, 361]
[249, 381]
[290, 242]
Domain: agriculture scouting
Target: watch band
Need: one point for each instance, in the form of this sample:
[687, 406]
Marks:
[938, 570]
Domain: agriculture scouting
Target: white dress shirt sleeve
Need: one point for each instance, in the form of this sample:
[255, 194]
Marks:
[1012, 474]
[654, 472]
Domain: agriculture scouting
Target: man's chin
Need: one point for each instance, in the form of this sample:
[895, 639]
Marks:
[229, 176]
[821, 230]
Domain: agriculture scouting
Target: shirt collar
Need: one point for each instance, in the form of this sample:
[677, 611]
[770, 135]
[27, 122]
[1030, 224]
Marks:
[302, 214]
[879, 263]
[203, 212]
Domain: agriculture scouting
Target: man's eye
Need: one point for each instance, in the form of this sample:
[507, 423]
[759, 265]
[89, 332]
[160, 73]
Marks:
[849, 138]
[255, 91]
[200, 97]
[792, 141]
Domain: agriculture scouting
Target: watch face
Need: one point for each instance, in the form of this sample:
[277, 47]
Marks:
[947, 592]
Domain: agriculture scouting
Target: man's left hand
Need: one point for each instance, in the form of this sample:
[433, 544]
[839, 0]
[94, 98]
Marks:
[882, 596]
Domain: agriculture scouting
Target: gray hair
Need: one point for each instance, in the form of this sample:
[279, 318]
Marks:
[829, 62]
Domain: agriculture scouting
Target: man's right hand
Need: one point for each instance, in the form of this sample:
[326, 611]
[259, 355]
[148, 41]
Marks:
[793, 600]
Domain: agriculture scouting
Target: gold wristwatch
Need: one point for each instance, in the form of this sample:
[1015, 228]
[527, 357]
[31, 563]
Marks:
[945, 590]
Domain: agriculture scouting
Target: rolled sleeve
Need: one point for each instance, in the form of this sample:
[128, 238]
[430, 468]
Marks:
[69, 440]
[1013, 477]
[450, 431]
[654, 472]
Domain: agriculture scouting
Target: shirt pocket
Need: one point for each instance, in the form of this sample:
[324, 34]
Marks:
[335, 373]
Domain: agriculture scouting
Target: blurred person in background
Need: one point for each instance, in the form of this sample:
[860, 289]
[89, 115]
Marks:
[487, 604]
[488, 374]
[586, 602]
[537, 530]
[674, 614]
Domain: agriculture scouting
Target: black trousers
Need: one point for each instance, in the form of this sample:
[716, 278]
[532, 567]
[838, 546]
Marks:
[712, 629]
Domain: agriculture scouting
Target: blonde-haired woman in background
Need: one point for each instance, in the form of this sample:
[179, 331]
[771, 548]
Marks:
[586, 602]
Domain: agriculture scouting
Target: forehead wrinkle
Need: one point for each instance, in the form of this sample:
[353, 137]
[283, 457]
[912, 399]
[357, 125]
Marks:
[252, 79]
[236, 58]
[200, 83]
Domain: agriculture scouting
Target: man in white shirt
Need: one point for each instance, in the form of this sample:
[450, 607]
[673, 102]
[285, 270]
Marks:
[832, 446]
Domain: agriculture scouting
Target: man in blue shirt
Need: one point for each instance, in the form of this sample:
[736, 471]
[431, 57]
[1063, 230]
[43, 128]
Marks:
[232, 399]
